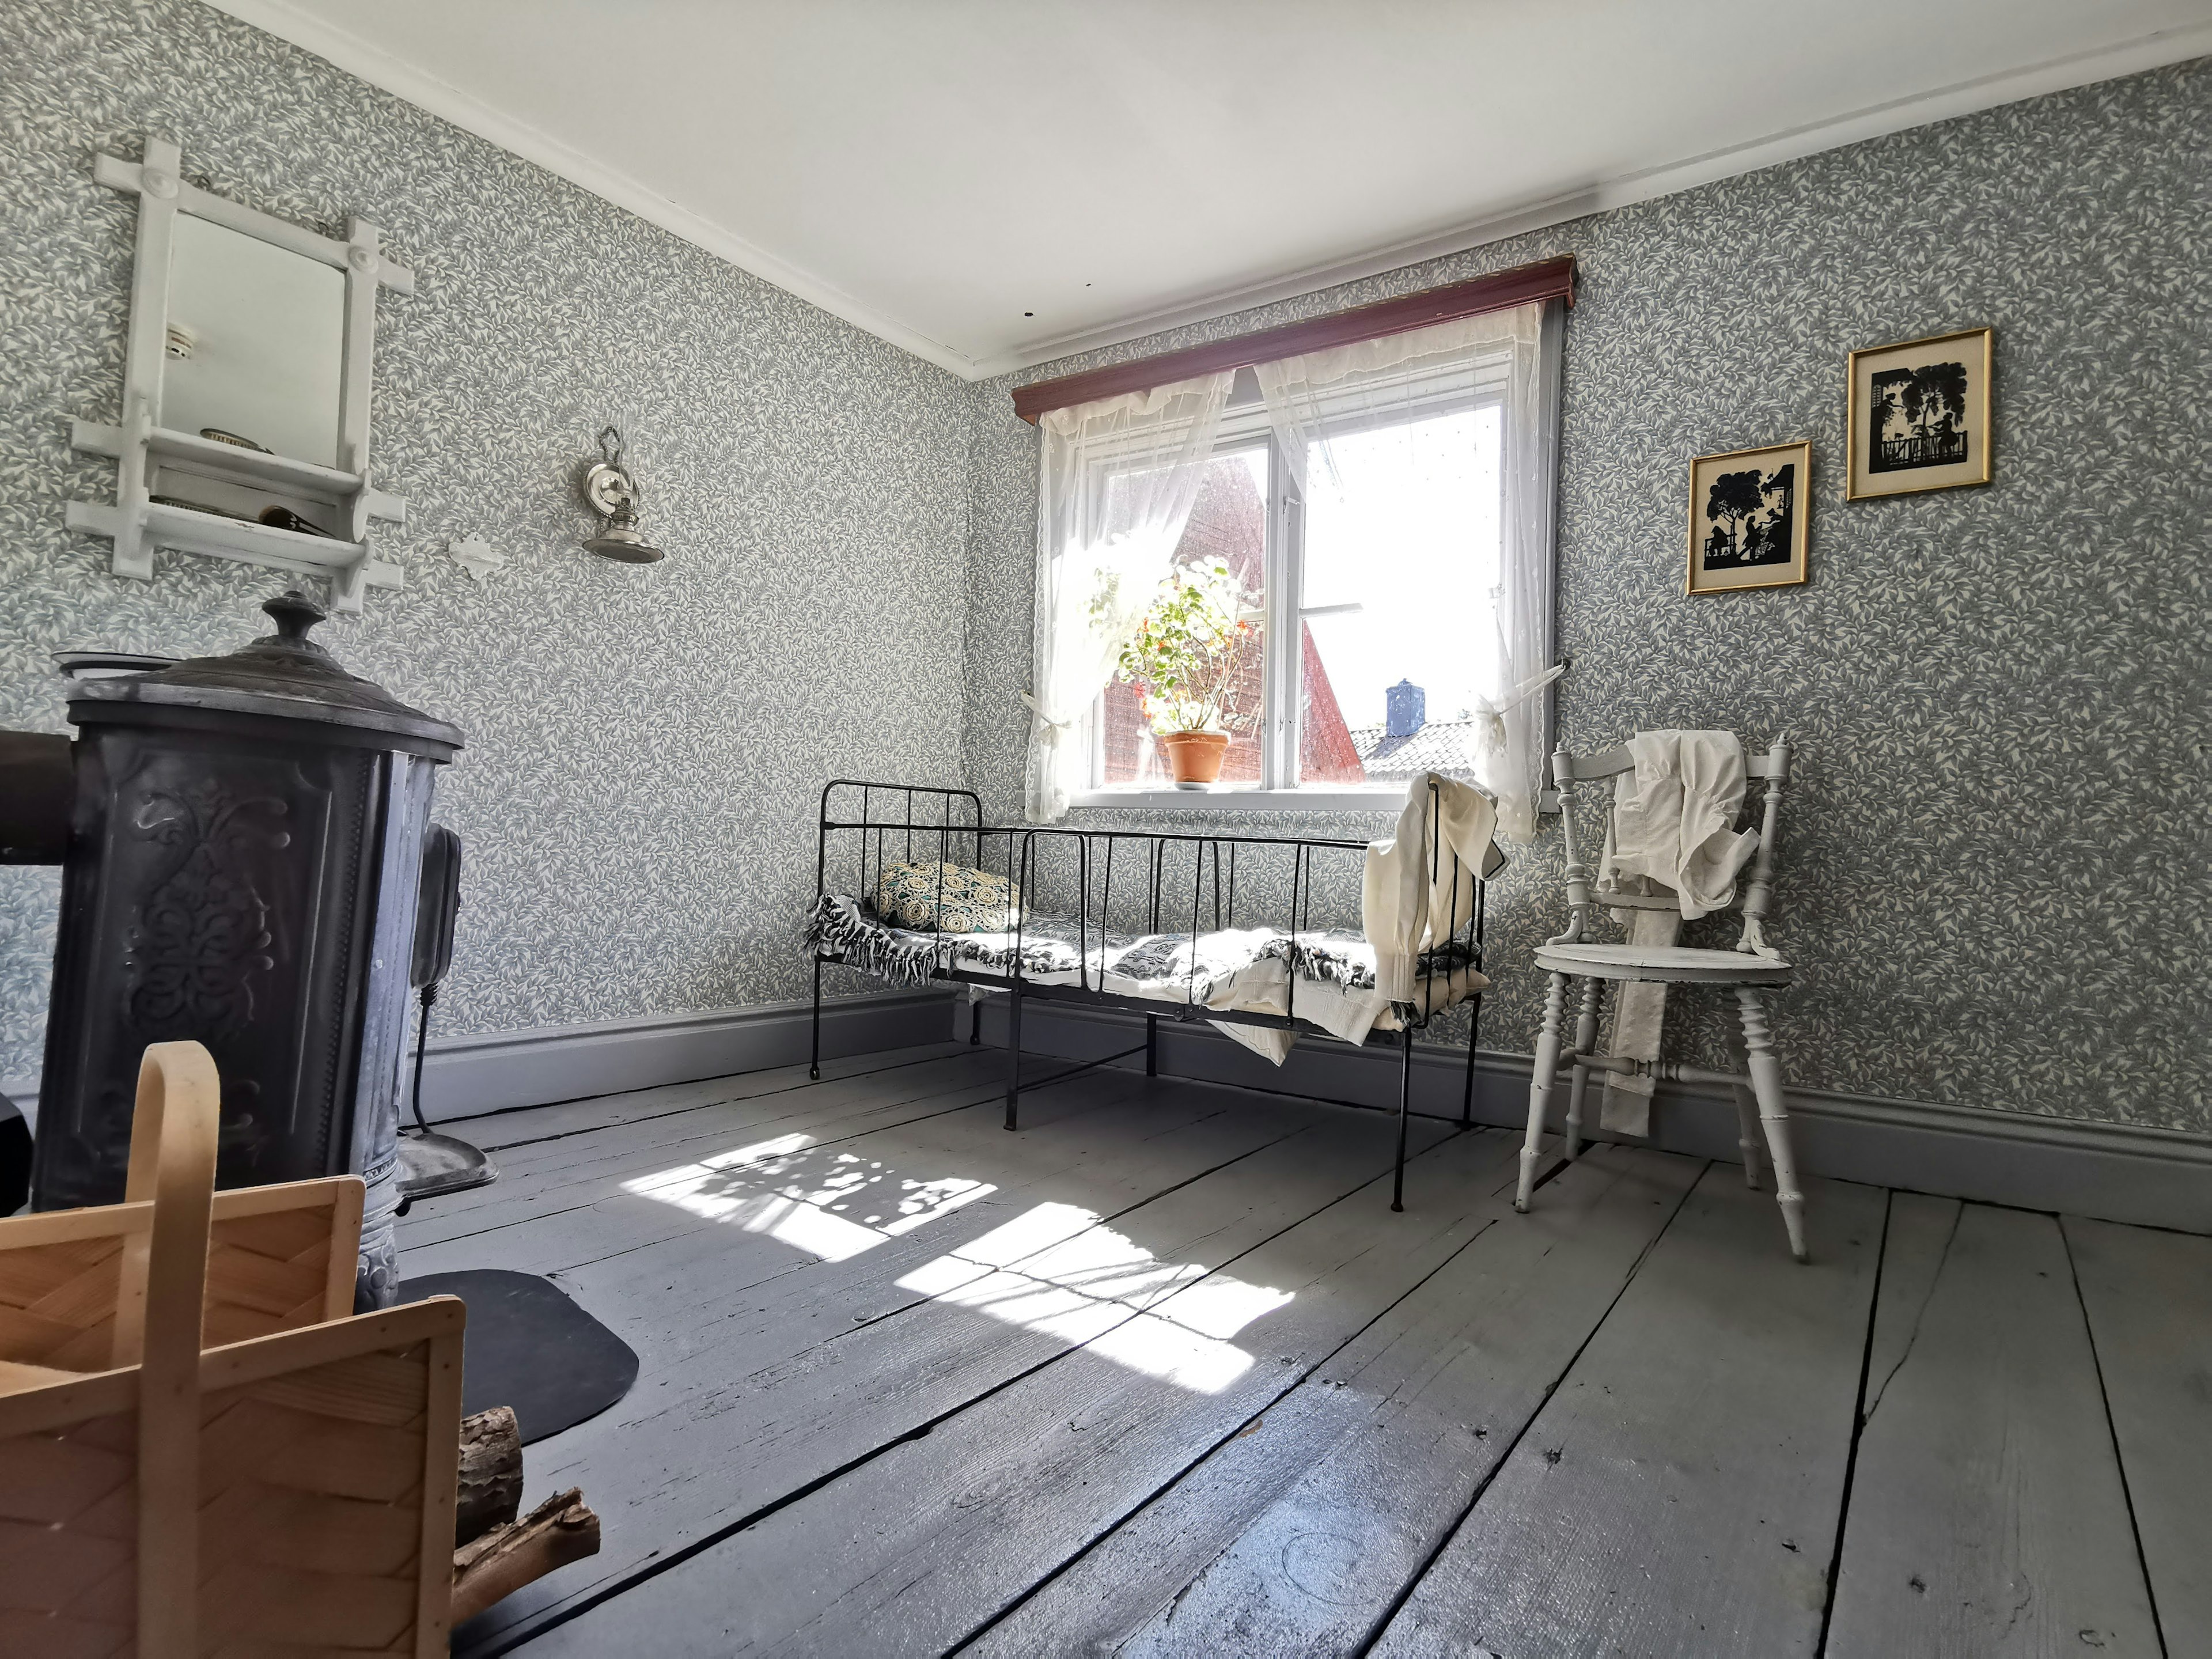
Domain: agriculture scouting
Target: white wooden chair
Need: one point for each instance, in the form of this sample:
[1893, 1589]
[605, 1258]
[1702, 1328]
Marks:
[1748, 970]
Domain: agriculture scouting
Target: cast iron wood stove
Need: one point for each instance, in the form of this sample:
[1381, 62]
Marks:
[245, 837]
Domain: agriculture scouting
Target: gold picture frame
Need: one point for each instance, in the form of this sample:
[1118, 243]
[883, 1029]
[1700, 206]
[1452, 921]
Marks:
[1931, 400]
[1751, 518]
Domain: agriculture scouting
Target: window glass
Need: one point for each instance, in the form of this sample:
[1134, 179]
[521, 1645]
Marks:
[1399, 572]
[1223, 557]
[1386, 590]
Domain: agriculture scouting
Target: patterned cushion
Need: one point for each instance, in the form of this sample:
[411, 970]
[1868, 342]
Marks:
[947, 898]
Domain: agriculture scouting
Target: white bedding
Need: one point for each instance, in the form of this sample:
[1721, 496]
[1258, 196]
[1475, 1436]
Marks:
[1241, 969]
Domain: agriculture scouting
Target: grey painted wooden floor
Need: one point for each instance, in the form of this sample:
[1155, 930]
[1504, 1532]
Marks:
[1162, 1374]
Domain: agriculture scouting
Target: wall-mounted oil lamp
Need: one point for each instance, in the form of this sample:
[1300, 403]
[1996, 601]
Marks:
[611, 491]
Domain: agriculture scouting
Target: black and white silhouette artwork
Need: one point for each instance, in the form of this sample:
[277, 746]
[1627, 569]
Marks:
[1752, 513]
[1918, 418]
[1748, 518]
[1920, 415]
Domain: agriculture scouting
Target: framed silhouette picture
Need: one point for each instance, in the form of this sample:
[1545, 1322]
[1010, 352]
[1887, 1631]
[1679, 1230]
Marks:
[1747, 513]
[1919, 415]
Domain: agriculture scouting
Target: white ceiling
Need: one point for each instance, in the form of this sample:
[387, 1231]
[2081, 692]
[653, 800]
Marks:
[995, 183]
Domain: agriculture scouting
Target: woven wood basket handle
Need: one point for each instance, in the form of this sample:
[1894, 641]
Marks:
[172, 1152]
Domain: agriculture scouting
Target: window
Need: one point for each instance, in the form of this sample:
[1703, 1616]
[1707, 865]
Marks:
[1360, 512]
[1342, 558]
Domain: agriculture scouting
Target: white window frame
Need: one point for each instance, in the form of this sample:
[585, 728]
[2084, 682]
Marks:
[1246, 426]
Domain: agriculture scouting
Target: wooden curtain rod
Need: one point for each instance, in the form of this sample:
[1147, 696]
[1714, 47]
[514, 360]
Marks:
[1547, 279]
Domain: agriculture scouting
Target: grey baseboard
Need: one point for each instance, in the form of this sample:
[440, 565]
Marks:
[466, 1075]
[2114, 1172]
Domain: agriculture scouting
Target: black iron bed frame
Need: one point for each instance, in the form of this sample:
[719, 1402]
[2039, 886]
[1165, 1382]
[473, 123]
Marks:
[874, 834]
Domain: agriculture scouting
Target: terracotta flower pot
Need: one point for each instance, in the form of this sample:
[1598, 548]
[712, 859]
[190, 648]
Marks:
[1195, 756]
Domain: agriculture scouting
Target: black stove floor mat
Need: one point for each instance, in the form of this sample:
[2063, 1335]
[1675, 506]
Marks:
[528, 1346]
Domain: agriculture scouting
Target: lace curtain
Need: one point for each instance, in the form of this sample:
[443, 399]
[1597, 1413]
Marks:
[1118, 477]
[1510, 356]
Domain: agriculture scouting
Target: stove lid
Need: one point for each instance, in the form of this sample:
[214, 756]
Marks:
[285, 674]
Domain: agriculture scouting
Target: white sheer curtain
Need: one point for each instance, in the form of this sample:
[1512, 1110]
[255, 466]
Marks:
[1118, 477]
[1511, 356]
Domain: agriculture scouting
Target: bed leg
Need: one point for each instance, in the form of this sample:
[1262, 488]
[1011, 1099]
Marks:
[1404, 1105]
[975, 1023]
[814, 1056]
[1151, 1045]
[1467, 1089]
[1013, 1054]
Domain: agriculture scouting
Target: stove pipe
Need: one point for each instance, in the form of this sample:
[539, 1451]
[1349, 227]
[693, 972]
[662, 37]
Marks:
[244, 840]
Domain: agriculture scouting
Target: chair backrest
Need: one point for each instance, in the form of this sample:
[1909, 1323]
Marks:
[1589, 888]
[289, 1492]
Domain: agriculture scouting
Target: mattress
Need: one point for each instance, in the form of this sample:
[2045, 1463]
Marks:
[1325, 977]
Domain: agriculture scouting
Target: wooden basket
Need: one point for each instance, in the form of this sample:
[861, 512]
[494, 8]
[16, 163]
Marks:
[285, 1494]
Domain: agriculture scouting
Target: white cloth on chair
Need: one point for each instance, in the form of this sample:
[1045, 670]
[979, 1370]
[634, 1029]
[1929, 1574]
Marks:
[1673, 824]
[1410, 900]
[1639, 1020]
[1674, 816]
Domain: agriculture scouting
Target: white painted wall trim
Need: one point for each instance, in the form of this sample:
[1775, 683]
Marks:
[2149, 52]
[380, 68]
[2110, 1171]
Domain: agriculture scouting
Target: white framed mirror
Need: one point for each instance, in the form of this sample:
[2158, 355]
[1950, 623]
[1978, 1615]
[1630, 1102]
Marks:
[255, 343]
[245, 401]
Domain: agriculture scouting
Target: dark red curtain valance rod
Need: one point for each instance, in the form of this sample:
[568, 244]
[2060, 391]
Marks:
[1547, 279]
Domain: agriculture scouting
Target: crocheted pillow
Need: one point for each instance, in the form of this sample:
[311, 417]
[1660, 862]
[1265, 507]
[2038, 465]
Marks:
[947, 898]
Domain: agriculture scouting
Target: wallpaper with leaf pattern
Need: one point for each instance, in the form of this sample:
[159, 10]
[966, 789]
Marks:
[636, 800]
[1994, 869]
[1994, 856]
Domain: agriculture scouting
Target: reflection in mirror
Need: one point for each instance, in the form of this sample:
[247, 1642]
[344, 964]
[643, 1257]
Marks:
[256, 339]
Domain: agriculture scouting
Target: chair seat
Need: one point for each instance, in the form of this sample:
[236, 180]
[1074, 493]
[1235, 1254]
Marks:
[1668, 964]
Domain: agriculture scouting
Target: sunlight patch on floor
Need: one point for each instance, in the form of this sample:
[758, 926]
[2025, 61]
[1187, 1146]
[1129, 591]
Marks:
[1055, 1269]
[832, 1205]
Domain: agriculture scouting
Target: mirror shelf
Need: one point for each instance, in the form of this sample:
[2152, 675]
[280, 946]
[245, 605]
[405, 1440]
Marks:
[181, 490]
[188, 530]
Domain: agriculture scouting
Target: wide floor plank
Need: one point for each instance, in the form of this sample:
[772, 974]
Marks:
[547, 1176]
[1988, 1515]
[923, 1544]
[1679, 1492]
[1162, 1375]
[2148, 1296]
[525, 1125]
[801, 1373]
[1378, 1454]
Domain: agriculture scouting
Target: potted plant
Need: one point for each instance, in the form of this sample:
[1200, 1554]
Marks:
[1187, 658]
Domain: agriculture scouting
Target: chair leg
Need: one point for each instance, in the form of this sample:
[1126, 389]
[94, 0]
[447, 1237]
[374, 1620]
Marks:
[1773, 1116]
[1747, 1128]
[1585, 1040]
[1540, 1087]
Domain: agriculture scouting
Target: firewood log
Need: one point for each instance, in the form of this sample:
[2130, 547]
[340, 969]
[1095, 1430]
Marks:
[558, 1531]
[489, 1493]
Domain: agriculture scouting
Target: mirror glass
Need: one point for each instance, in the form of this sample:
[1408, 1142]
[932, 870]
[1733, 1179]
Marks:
[256, 339]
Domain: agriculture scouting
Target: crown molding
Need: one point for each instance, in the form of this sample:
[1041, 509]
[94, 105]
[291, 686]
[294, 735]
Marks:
[2149, 52]
[380, 68]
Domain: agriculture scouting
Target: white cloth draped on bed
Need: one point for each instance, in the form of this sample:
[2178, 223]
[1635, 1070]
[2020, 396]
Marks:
[1419, 888]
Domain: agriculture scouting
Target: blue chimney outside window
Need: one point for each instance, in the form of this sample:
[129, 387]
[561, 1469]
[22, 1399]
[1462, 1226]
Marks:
[1405, 709]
